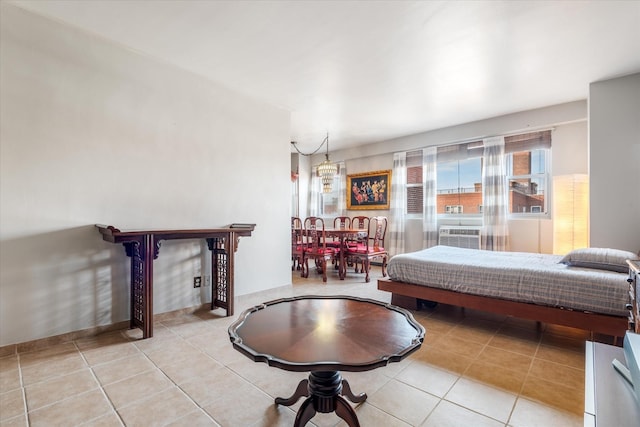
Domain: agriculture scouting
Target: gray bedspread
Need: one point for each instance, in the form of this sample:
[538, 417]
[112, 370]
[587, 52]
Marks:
[516, 276]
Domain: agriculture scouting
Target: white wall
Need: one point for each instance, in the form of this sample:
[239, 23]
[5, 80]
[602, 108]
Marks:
[569, 156]
[614, 163]
[94, 133]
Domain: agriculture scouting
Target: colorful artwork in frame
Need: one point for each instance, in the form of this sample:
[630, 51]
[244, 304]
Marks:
[369, 191]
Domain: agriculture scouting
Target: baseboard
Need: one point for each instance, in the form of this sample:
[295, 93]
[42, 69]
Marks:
[60, 339]
[40, 343]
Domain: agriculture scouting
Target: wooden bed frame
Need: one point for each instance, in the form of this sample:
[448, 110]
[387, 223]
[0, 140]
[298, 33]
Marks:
[407, 295]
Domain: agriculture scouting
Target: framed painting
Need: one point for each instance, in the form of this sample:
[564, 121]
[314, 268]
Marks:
[369, 191]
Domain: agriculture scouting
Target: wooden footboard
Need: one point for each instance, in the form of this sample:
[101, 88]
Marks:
[406, 295]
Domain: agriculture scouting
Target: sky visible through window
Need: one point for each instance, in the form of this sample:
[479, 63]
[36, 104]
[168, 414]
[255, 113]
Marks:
[537, 161]
[459, 174]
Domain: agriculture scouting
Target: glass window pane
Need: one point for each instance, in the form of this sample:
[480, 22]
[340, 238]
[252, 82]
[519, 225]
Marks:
[460, 186]
[527, 162]
[527, 195]
[329, 202]
[459, 176]
[538, 162]
[528, 181]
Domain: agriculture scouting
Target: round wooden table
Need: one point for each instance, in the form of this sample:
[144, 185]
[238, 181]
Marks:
[325, 335]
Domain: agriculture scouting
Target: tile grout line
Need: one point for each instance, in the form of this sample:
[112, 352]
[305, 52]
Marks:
[23, 390]
[527, 375]
[104, 393]
[486, 345]
[176, 385]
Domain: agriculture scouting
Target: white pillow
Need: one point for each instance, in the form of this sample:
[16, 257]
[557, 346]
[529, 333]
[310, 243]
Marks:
[600, 258]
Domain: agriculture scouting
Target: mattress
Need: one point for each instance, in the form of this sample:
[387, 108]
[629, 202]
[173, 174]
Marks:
[517, 276]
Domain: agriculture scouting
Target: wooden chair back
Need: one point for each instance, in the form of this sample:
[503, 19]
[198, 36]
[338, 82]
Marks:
[342, 222]
[360, 222]
[296, 223]
[314, 233]
[339, 223]
[297, 242]
[371, 247]
[378, 232]
[316, 247]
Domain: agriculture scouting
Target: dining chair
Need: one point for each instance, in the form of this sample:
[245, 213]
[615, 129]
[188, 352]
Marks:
[335, 242]
[297, 243]
[371, 247]
[360, 222]
[316, 247]
[342, 222]
[339, 222]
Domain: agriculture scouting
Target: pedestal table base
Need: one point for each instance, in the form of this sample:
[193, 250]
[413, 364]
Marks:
[324, 391]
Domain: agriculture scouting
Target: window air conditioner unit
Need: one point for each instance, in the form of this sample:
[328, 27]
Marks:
[459, 236]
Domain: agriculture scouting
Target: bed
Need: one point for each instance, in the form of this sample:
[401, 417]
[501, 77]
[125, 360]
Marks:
[585, 289]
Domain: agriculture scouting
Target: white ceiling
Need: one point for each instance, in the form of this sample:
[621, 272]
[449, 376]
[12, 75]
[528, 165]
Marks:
[367, 71]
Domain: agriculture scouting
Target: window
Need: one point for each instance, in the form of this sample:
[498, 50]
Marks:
[459, 176]
[459, 186]
[527, 181]
[528, 158]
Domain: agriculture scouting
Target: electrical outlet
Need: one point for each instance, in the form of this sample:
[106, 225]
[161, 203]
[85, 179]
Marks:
[197, 281]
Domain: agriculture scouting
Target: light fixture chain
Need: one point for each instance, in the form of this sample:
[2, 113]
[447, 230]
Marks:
[325, 140]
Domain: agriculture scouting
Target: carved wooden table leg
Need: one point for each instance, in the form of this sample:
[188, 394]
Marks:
[301, 390]
[346, 391]
[142, 253]
[306, 412]
[346, 412]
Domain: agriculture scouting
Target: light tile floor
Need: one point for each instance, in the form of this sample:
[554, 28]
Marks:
[474, 369]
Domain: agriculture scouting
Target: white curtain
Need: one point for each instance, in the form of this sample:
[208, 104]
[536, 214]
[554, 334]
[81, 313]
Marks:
[430, 207]
[398, 203]
[314, 193]
[495, 189]
[342, 189]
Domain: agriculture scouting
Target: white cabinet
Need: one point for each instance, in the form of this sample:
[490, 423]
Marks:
[608, 397]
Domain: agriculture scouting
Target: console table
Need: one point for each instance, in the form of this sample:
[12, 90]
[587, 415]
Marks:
[143, 246]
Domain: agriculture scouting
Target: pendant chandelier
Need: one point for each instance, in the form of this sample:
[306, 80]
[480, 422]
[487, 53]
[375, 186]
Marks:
[325, 170]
